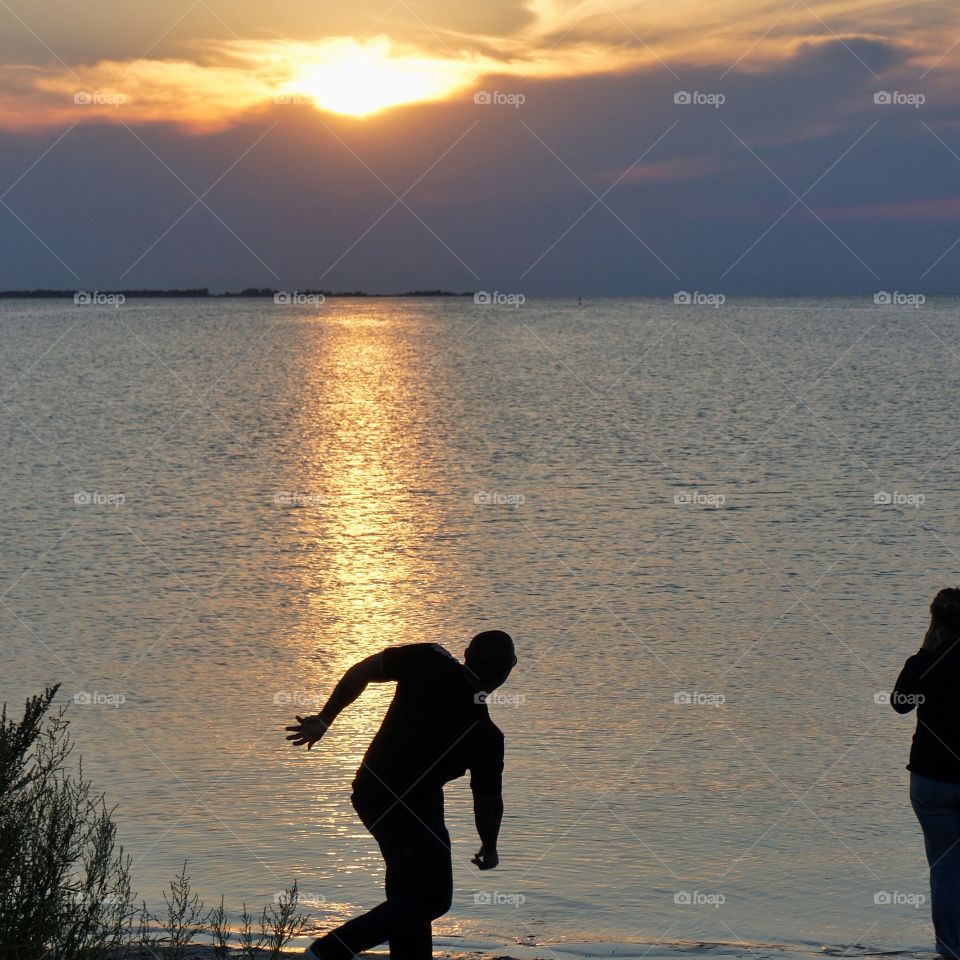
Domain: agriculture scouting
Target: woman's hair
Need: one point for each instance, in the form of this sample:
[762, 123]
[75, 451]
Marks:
[945, 610]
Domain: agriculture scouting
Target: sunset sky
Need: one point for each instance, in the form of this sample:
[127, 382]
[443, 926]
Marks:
[536, 147]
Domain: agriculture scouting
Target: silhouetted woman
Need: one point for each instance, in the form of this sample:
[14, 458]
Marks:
[930, 681]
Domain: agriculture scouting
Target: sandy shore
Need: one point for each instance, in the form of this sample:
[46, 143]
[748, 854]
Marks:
[452, 949]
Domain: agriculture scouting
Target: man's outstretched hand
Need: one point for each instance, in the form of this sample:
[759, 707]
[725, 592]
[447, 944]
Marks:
[308, 731]
[486, 859]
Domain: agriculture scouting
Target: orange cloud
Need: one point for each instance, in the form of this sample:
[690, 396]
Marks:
[209, 84]
[198, 97]
[339, 75]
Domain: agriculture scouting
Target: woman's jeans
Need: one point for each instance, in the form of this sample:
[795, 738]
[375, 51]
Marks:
[937, 806]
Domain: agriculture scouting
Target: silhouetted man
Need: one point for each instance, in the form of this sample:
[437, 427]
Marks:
[436, 729]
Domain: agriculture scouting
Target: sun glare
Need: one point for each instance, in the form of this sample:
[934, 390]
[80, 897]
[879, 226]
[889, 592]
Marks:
[358, 80]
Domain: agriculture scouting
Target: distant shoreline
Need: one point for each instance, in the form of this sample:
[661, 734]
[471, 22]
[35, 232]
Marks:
[204, 293]
[310, 296]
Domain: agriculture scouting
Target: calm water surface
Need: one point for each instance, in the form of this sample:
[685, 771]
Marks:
[672, 509]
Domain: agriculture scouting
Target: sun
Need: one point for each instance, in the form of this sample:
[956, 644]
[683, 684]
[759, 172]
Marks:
[354, 79]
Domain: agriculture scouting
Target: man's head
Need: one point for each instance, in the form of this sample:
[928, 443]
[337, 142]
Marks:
[945, 611]
[489, 659]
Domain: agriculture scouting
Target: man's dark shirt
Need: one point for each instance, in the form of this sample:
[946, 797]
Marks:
[433, 732]
[931, 683]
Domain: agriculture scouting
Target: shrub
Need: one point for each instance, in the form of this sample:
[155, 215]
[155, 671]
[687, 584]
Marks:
[64, 884]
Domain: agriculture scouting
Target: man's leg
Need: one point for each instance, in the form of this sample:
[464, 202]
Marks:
[414, 942]
[937, 806]
[419, 886]
[420, 862]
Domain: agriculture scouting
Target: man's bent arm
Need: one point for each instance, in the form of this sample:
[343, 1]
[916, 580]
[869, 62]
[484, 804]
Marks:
[351, 685]
[488, 814]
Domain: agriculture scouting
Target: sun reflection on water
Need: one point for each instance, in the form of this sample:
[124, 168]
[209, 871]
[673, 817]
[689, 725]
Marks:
[359, 430]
